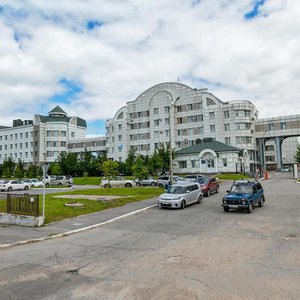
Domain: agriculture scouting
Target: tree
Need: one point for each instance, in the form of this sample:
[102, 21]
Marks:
[8, 167]
[33, 171]
[139, 168]
[68, 164]
[110, 168]
[129, 161]
[85, 162]
[297, 156]
[20, 169]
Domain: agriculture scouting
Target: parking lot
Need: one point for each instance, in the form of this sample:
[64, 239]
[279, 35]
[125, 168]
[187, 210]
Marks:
[200, 252]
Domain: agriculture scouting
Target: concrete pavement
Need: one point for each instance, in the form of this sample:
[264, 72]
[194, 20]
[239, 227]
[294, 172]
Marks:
[11, 235]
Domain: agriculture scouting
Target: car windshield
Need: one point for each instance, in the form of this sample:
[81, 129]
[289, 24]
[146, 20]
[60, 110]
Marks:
[241, 189]
[173, 189]
[203, 180]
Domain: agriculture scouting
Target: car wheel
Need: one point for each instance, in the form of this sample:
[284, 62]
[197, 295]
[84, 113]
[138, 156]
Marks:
[200, 199]
[47, 184]
[226, 209]
[160, 185]
[208, 193]
[152, 183]
[182, 204]
[128, 185]
[26, 187]
[9, 189]
[217, 190]
[250, 208]
[59, 184]
[138, 184]
[261, 202]
[106, 185]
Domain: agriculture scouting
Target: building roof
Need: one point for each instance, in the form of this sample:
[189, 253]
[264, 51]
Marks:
[57, 110]
[213, 145]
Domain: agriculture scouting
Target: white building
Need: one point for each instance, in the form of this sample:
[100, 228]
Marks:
[177, 114]
[41, 140]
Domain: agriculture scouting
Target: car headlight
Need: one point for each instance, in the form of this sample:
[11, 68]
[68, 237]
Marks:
[224, 201]
[244, 201]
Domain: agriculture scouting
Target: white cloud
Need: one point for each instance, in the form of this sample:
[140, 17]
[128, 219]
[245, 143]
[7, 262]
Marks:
[144, 43]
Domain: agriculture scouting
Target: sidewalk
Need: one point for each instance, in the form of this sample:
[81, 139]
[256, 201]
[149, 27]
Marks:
[11, 235]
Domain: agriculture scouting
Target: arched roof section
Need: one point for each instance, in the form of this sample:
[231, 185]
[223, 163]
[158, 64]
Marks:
[121, 110]
[204, 151]
[158, 92]
[164, 87]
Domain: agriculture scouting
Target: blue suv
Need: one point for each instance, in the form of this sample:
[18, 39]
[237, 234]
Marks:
[244, 194]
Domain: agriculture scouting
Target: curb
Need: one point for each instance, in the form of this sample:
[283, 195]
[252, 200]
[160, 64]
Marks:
[60, 235]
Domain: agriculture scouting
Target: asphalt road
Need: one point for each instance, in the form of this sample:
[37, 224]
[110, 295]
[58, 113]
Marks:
[200, 252]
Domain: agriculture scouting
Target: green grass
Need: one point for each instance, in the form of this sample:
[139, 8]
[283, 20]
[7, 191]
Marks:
[55, 209]
[232, 176]
[87, 180]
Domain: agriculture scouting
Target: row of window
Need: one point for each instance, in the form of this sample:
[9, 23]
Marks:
[16, 136]
[16, 146]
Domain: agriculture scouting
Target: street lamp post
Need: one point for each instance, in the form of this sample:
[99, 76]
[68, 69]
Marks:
[170, 133]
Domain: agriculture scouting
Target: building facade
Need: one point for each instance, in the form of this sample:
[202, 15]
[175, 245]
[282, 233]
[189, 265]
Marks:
[173, 113]
[42, 139]
[166, 114]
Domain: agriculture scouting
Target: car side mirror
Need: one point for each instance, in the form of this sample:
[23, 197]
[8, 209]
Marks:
[227, 191]
[188, 191]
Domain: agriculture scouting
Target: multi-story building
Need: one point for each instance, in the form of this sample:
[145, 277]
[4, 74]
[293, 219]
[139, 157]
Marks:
[165, 114]
[177, 114]
[42, 139]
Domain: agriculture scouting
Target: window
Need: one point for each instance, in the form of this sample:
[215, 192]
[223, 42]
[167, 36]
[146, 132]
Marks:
[21, 135]
[72, 134]
[182, 164]
[282, 125]
[227, 127]
[225, 162]
[212, 115]
[156, 122]
[55, 133]
[49, 144]
[63, 133]
[195, 164]
[155, 111]
[179, 108]
[63, 144]
[26, 134]
[120, 126]
[271, 127]
[190, 107]
[226, 114]
[20, 145]
[212, 128]
[210, 163]
[227, 141]
[167, 109]
[120, 138]
[166, 121]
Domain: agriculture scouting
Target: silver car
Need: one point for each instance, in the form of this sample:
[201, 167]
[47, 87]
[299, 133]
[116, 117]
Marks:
[181, 194]
[116, 181]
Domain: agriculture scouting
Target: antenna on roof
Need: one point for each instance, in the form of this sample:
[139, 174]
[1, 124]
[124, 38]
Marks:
[178, 79]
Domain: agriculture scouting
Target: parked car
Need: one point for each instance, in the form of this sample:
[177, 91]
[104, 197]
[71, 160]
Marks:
[12, 185]
[60, 181]
[244, 194]
[47, 179]
[33, 182]
[209, 185]
[165, 180]
[146, 181]
[193, 177]
[181, 194]
[117, 181]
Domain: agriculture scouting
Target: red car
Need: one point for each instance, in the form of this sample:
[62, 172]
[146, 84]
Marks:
[209, 185]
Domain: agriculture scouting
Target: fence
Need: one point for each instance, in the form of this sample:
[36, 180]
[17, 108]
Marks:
[23, 204]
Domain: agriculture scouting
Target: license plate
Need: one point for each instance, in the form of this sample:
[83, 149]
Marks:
[233, 206]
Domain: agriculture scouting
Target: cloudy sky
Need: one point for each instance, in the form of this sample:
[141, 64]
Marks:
[91, 56]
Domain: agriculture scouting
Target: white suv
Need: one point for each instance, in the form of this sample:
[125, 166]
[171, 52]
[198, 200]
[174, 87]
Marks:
[181, 194]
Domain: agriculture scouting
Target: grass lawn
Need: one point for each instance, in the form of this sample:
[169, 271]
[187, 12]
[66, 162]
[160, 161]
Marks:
[232, 176]
[56, 210]
[87, 180]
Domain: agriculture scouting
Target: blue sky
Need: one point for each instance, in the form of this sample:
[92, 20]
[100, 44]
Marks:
[90, 57]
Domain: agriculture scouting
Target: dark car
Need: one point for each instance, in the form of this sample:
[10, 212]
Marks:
[244, 194]
[209, 185]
